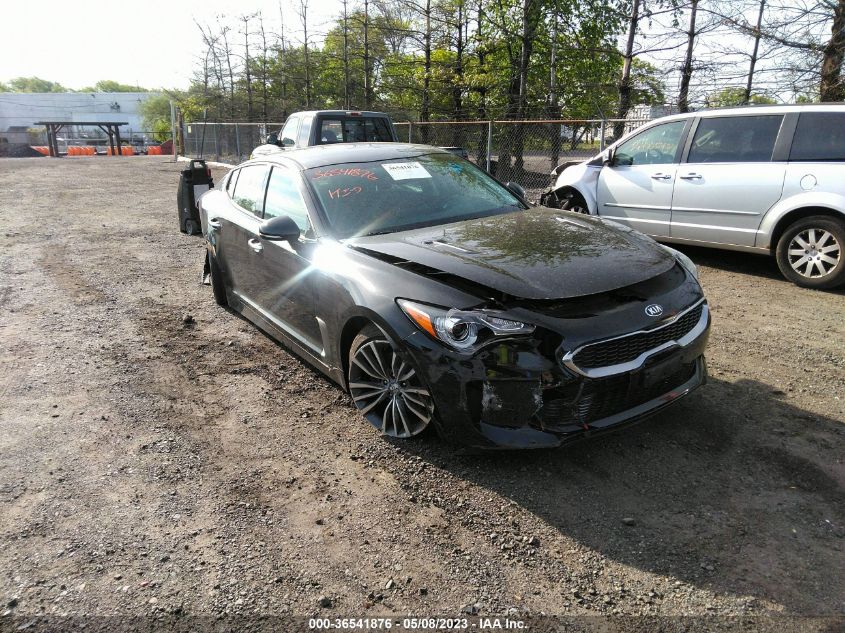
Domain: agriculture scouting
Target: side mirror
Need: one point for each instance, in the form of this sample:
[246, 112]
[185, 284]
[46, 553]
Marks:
[610, 161]
[516, 189]
[280, 229]
[273, 139]
[287, 142]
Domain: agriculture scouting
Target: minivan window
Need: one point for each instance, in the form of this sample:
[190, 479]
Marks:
[284, 198]
[739, 139]
[230, 183]
[819, 136]
[249, 190]
[656, 146]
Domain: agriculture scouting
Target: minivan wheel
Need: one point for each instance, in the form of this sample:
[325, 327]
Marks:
[385, 388]
[573, 201]
[810, 252]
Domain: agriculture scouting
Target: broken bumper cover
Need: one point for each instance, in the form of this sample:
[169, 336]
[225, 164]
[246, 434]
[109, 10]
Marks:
[516, 395]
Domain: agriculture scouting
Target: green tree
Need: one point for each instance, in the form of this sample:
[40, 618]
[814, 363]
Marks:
[35, 84]
[728, 97]
[109, 85]
[155, 112]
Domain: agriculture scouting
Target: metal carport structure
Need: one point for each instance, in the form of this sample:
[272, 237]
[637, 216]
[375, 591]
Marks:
[111, 128]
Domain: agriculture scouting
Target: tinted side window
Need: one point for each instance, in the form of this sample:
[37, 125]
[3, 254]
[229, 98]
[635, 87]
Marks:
[378, 130]
[819, 136]
[284, 198]
[249, 190]
[655, 146]
[288, 135]
[742, 139]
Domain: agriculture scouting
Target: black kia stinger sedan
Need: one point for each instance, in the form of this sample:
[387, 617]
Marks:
[440, 299]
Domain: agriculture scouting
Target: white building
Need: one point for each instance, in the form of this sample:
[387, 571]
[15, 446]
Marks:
[19, 111]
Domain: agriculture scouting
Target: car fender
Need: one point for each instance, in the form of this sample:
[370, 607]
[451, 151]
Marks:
[833, 201]
[584, 178]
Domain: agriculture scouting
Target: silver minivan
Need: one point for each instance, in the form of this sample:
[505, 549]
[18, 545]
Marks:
[766, 179]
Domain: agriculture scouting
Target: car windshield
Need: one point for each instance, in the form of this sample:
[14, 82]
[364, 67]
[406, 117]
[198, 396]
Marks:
[403, 193]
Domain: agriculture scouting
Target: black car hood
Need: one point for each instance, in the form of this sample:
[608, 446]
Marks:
[540, 253]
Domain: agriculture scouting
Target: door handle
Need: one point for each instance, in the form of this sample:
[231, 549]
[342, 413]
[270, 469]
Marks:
[255, 245]
[691, 176]
[214, 223]
[659, 176]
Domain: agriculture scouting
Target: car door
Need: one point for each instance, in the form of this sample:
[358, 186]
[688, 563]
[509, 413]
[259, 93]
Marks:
[728, 179]
[637, 188]
[283, 275]
[238, 229]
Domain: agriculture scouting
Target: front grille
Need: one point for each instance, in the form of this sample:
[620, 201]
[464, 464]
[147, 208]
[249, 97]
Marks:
[628, 348]
[603, 397]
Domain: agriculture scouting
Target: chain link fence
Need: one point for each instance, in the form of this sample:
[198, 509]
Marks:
[524, 152]
[225, 142]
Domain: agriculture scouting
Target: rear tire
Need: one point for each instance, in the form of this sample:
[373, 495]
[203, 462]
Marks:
[191, 227]
[811, 252]
[218, 285]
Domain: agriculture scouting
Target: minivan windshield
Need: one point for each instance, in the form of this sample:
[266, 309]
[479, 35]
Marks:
[397, 194]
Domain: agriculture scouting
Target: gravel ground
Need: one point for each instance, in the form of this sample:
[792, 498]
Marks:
[153, 464]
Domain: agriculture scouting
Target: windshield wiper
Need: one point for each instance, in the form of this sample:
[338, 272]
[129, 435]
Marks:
[385, 232]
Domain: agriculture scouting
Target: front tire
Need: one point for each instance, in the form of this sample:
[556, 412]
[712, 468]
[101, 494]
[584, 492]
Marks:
[386, 388]
[811, 252]
[571, 200]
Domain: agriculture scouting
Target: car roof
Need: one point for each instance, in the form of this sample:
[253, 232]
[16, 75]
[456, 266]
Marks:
[364, 113]
[756, 109]
[324, 155]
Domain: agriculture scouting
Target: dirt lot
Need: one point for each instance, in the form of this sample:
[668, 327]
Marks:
[150, 466]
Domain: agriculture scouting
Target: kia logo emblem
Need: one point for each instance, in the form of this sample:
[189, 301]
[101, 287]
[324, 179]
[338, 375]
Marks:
[654, 310]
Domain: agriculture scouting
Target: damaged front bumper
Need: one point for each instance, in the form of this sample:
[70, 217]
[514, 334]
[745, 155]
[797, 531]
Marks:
[522, 393]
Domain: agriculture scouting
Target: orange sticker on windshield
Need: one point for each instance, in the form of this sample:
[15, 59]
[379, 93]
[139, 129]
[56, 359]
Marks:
[355, 172]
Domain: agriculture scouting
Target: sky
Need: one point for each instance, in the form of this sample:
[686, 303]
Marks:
[152, 43]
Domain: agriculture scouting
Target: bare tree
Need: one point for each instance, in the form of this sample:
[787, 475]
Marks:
[263, 67]
[832, 86]
[302, 11]
[368, 79]
[346, 101]
[686, 70]
[754, 54]
[627, 62]
[247, 70]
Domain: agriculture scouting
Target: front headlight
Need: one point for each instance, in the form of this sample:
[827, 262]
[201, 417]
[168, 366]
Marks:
[683, 260]
[461, 329]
